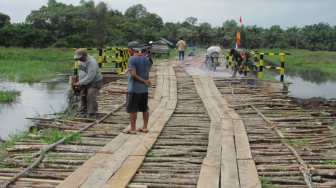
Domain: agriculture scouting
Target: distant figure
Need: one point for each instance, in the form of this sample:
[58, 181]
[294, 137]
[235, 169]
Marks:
[137, 88]
[242, 58]
[180, 47]
[218, 44]
[92, 80]
[192, 52]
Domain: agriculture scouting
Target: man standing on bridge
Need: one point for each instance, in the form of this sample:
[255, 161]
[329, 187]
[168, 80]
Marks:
[181, 46]
[242, 58]
[137, 89]
[92, 80]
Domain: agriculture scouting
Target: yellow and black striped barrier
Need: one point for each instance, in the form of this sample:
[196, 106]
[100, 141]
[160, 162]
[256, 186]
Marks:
[261, 63]
[120, 60]
[230, 63]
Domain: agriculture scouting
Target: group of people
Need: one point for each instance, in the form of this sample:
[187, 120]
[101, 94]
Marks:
[139, 65]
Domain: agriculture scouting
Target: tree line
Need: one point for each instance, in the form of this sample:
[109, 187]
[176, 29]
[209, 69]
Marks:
[90, 25]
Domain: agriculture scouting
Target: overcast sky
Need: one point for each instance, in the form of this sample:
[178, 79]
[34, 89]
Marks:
[263, 13]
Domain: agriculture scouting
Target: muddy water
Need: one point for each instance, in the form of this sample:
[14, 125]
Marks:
[308, 83]
[36, 99]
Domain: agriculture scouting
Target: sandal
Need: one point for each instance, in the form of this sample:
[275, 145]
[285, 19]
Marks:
[128, 132]
[140, 130]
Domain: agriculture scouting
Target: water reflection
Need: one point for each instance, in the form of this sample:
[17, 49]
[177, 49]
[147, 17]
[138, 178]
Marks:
[306, 83]
[36, 99]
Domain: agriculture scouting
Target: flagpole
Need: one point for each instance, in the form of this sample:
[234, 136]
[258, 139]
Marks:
[238, 33]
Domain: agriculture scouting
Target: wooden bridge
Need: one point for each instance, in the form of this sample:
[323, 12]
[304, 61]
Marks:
[205, 131]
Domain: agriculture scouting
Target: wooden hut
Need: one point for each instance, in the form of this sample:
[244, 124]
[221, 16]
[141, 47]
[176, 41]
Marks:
[161, 46]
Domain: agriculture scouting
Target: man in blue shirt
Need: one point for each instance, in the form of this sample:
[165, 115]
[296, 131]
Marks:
[137, 89]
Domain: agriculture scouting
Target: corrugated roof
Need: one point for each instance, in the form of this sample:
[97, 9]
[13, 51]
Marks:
[167, 41]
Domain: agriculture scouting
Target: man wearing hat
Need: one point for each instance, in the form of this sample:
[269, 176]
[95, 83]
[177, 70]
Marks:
[137, 88]
[92, 80]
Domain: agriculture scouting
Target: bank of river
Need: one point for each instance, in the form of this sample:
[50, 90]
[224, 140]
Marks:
[35, 99]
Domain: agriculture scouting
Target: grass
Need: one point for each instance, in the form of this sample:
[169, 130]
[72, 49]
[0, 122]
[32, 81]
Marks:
[9, 96]
[34, 65]
[52, 135]
[266, 182]
[304, 60]
[7, 166]
[302, 142]
[330, 162]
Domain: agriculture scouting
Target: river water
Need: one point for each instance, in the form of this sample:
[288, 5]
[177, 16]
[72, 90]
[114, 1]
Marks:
[308, 83]
[36, 99]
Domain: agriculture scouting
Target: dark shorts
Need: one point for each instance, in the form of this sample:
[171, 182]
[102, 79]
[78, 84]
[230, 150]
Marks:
[136, 102]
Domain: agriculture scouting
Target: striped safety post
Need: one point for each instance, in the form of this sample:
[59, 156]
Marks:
[261, 65]
[100, 59]
[76, 68]
[282, 68]
[227, 59]
[104, 57]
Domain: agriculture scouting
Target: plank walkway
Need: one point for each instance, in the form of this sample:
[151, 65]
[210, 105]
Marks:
[206, 131]
[228, 162]
[116, 163]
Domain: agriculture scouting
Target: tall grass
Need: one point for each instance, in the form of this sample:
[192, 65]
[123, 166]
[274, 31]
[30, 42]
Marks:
[9, 96]
[304, 60]
[34, 65]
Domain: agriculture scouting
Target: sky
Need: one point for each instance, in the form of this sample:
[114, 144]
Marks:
[262, 13]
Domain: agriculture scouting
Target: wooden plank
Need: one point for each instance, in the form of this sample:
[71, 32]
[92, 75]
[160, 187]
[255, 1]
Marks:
[124, 175]
[227, 126]
[242, 144]
[121, 149]
[102, 174]
[173, 88]
[232, 112]
[166, 87]
[214, 148]
[205, 86]
[199, 88]
[149, 140]
[80, 175]
[210, 170]
[248, 175]
[213, 87]
[212, 112]
[171, 71]
[171, 105]
[159, 88]
[229, 170]
[219, 107]
[209, 175]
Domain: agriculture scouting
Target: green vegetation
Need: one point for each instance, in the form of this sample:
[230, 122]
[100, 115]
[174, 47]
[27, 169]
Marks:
[52, 135]
[266, 182]
[310, 65]
[330, 162]
[302, 142]
[34, 65]
[15, 138]
[27, 160]
[7, 166]
[97, 25]
[9, 96]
